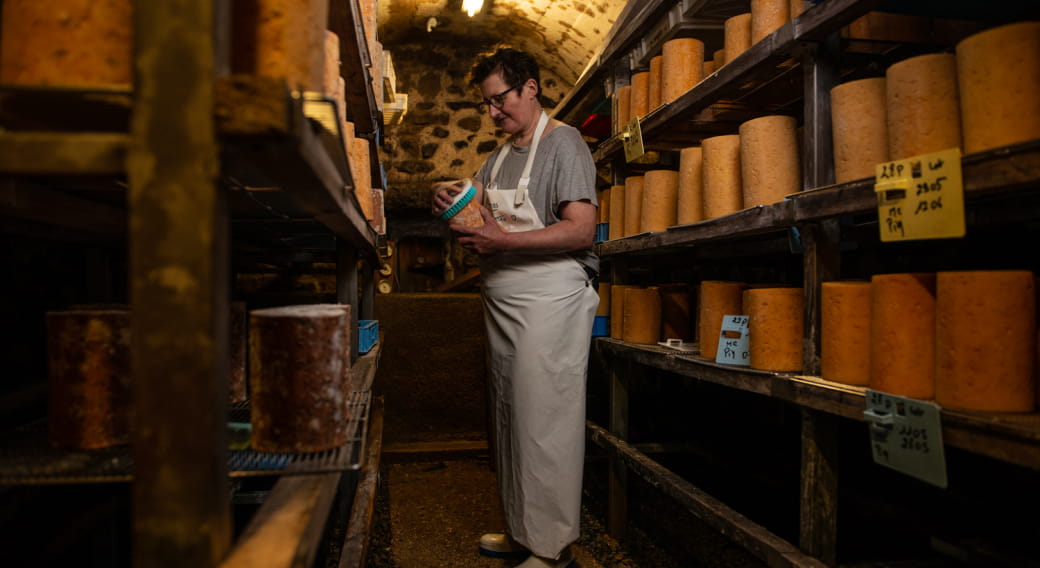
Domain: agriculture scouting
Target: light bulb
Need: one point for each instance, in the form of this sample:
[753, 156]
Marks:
[471, 7]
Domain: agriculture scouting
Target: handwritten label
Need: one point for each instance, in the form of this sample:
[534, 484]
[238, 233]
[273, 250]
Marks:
[921, 197]
[632, 139]
[733, 342]
[906, 435]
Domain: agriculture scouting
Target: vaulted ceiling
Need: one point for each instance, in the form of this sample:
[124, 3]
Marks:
[563, 35]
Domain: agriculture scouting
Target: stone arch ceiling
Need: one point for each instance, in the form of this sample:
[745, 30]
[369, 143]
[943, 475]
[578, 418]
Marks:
[563, 35]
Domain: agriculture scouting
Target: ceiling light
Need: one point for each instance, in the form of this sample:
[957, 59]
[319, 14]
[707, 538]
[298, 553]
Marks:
[471, 7]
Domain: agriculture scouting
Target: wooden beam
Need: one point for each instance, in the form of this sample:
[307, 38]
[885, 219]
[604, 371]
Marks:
[63, 153]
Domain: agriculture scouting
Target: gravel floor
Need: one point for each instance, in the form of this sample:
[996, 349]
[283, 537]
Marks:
[431, 514]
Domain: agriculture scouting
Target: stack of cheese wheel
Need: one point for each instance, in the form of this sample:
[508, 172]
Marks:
[617, 310]
[859, 128]
[283, 39]
[723, 190]
[998, 73]
[640, 97]
[737, 35]
[299, 358]
[845, 332]
[656, 67]
[775, 329]
[985, 348]
[623, 112]
[681, 67]
[769, 164]
[633, 204]
[69, 43]
[690, 200]
[239, 339]
[716, 300]
[675, 312]
[658, 211]
[902, 334]
[767, 16]
[642, 313]
[88, 378]
[616, 229]
[922, 106]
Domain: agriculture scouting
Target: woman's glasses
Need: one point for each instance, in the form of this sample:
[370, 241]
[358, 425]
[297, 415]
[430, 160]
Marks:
[496, 101]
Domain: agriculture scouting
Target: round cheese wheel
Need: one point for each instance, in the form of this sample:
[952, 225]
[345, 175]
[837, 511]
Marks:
[604, 299]
[690, 201]
[617, 310]
[658, 211]
[283, 39]
[656, 64]
[723, 190]
[616, 228]
[737, 32]
[998, 74]
[642, 315]
[922, 107]
[640, 98]
[985, 340]
[623, 112]
[859, 128]
[845, 332]
[767, 16]
[681, 67]
[709, 68]
[902, 334]
[676, 318]
[633, 204]
[716, 300]
[769, 164]
[775, 330]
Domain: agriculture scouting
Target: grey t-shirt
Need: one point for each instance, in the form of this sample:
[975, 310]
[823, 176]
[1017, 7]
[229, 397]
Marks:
[563, 171]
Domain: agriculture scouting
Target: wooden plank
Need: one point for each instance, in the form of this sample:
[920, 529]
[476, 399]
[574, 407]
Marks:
[355, 545]
[453, 447]
[179, 284]
[287, 530]
[63, 153]
[818, 508]
[751, 536]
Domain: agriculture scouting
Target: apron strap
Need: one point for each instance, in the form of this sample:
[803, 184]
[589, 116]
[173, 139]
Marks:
[525, 177]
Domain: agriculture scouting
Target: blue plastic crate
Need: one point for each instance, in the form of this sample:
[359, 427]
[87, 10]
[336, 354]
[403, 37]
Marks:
[602, 232]
[368, 335]
[601, 326]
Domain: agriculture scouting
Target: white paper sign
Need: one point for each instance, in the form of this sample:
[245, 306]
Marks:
[906, 435]
[733, 342]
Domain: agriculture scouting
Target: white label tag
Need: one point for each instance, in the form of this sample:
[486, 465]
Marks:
[733, 342]
[906, 435]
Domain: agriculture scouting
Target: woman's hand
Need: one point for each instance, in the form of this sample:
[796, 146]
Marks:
[483, 240]
[442, 193]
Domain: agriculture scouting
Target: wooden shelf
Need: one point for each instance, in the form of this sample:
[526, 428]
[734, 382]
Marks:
[1014, 438]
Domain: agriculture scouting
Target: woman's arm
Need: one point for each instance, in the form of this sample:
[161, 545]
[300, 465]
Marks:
[576, 230]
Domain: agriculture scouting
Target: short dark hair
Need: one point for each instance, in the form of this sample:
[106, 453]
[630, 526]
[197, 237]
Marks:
[515, 66]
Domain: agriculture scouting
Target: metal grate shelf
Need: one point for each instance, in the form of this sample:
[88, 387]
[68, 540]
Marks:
[26, 457]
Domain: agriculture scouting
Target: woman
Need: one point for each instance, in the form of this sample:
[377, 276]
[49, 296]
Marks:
[537, 271]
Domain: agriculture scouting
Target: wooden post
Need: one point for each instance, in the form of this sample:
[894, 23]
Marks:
[822, 262]
[347, 287]
[617, 498]
[179, 284]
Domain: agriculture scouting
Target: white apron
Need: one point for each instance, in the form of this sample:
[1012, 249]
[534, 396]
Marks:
[538, 313]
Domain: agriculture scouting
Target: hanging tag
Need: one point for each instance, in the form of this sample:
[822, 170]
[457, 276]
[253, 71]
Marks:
[733, 342]
[632, 139]
[906, 435]
[921, 197]
[521, 192]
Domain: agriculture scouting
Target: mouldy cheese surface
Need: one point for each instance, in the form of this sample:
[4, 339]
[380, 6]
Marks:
[998, 73]
[723, 192]
[642, 315]
[716, 300]
[738, 35]
[640, 97]
[70, 43]
[656, 64]
[616, 228]
[985, 348]
[88, 378]
[297, 367]
[660, 189]
[902, 334]
[845, 332]
[681, 67]
[690, 201]
[775, 331]
[922, 107]
[859, 128]
[769, 164]
[633, 204]
[767, 16]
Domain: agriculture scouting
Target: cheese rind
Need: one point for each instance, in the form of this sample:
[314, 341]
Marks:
[616, 228]
[859, 128]
[716, 299]
[767, 16]
[922, 106]
[845, 332]
[656, 65]
[675, 312]
[998, 74]
[985, 349]
[623, 103]
[640, 97]
[681, 67]
[690, 199]
[642, 311]
[633, 204]
[737, 30]
[902, 334]
[723, 191]
[775, 328]
[769, 165]
[660, 199]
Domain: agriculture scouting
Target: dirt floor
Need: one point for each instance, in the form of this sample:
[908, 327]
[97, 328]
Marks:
[431, 513]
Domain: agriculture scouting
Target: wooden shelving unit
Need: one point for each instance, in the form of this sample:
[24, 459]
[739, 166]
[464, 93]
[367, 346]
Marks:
[189, 166]
[791, 71]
